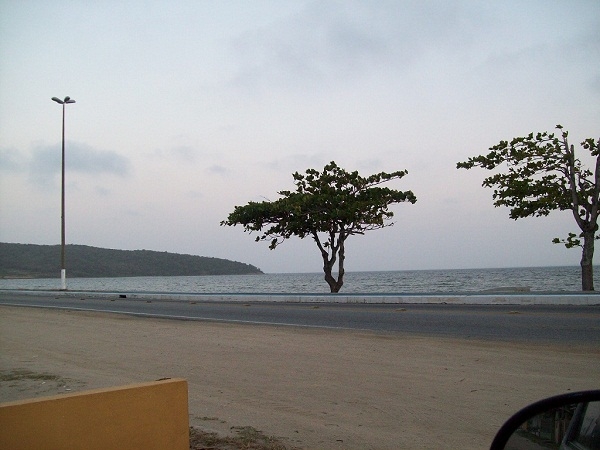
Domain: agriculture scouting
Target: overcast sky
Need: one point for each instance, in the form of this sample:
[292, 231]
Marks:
[185, 109]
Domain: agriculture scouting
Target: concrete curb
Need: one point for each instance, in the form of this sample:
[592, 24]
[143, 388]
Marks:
[495, 298]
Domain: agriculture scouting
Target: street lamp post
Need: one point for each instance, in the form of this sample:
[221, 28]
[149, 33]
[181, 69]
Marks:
[63, 270]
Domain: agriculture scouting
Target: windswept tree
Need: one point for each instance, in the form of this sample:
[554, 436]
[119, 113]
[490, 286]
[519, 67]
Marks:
[541, 174]
[327, 206]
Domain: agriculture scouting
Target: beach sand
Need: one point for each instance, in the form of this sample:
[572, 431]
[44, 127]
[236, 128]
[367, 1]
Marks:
[316, 389]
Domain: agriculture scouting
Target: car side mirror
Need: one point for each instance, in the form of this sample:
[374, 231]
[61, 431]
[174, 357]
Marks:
[564, 422]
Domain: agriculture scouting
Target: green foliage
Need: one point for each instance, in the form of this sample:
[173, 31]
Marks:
[328, 206]
[43, 261]
[571, 241]
[542, 174]
[332, 201]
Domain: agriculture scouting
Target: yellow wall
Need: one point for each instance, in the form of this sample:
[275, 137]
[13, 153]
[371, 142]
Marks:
[140, 416]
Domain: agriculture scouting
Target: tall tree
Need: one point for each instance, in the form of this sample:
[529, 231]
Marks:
[542, 175]
[327, 206]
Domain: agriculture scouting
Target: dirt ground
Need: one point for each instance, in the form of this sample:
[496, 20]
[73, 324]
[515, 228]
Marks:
[313, 389]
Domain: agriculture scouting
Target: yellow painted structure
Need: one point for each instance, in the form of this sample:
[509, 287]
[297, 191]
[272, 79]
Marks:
[149, 416]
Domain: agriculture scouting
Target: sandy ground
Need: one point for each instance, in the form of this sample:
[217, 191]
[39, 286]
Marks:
[317, 389]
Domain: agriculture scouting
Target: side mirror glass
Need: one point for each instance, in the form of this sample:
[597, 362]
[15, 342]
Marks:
[564, 422]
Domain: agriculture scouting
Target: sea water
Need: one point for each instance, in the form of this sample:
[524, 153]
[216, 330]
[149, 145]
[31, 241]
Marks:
[535, 279]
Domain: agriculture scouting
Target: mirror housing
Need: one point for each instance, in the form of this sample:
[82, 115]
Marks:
[540, 407]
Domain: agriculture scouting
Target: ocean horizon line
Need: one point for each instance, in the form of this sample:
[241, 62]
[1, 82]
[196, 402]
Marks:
[550, 266]
[534, 279]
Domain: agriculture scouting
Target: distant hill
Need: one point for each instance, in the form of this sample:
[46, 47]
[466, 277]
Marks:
[82, 261]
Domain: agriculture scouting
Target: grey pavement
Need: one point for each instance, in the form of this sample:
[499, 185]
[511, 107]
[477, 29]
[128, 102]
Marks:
[550, 322]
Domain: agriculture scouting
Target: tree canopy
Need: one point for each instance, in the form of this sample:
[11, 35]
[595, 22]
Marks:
[327, 206]
[542, 174]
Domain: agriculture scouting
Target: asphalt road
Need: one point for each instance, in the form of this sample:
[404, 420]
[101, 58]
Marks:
[527, 323]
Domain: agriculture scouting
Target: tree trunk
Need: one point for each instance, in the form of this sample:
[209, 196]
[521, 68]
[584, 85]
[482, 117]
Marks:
[341, 257]
[334, 284]
[587, 268]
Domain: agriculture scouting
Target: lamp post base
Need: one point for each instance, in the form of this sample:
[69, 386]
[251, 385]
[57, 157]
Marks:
[63, 279]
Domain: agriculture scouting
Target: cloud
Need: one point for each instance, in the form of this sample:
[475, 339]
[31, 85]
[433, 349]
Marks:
[182, 153]
[45, 162]
[333, 42]
[102, 191]
[195, 194]
[218, 169]
[286, 165]
[595, 83]
[11, 160]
